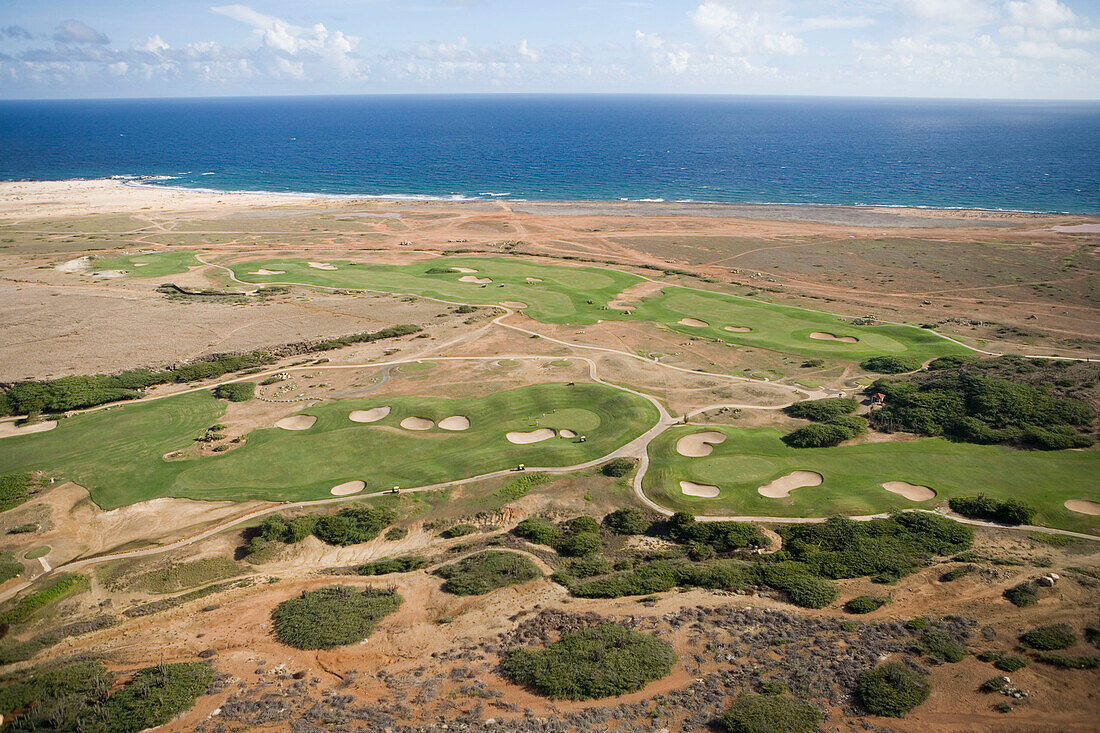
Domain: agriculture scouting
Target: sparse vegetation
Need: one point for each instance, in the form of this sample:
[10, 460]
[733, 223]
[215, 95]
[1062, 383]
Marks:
[334, 616]
[56, 590]
[892, 689]
[1069, 661]
[14, 489]
[1023, 594]
[386, 565]
[955, 573]
[1050, 638]
[458, 530]
[487, 571]
[940, 648]
[589, 663]
[771, 714]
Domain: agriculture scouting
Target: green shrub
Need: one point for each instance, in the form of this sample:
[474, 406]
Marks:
[1010, 662]
[940, 647]
[1005, 511]
[487, 571]
[396, 533]
[386, 565]
[236, 391]
[771, 714]
[56, 590]
[892, 689]
[956, 573]
[353, 525]
[581, 524]
[824, 410]
[330, 617]
[9, 566]
[865, 604]
[1048, 638]
[818, 435]
[586, 567]
[627, 520]
[156, 695]
[1069, 661]
[14, 490]
[580, 544]
[538, 530]
[891, 364]
[1024, 594]
[592, 662]
[993, 684]
[459, 530]
[722, 536]
[618, 467]
[801, 588]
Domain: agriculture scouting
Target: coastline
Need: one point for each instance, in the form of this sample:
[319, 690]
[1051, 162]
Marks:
[28, 200]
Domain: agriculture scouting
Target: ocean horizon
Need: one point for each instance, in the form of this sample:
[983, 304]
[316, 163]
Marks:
[958, 154]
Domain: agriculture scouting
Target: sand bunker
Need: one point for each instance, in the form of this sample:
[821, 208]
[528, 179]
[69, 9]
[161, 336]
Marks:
[693, 322]
[1083, 506]
[322, 266]
[534, 436]
[782, 487]
[534, 279]
[455, 422]
[563, 433]
[629, 298]
[463, 269]
[417, 423]
[262, 271]
[347, 488]
[912, 492]
[690, 488]
[513, 304]
[140, 264]
[738, 329]
[374, 414]
[475, 279]
[698, 445]
[296, 422]
[822, 336]
[8, 429]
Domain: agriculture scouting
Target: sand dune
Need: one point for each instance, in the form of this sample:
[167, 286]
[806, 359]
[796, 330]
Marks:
[706, 491]
[782, 487]
[374, 414]
[534, 436]
[296, 422]
[698, 445]
[912, 492]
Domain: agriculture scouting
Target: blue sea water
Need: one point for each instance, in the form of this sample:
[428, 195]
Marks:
[1032, 156]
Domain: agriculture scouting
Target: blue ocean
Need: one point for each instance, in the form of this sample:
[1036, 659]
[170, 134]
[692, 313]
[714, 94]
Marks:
[1031, 156]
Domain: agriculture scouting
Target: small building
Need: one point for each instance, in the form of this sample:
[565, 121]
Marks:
[878, 398]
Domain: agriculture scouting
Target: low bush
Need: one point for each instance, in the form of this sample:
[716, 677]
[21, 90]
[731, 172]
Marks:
[586, 567]
[771, 714]
[628, 520]
[386, 565]
[593, 662]
[538, 530]
[993, 684]
[1023, 594]
[59, 589]
[865, 604]
[956, 573]
[823, 410]
[353, 525]
[487, 571]
[1005, 511]
[236, 391]
[892, 689]
[818, 435]
[9, 566]
[722, 536]
[801, 588]
[891, 364]
[330, 617]
[1049, 638]
[618, 467]
[1010, 662]
[940, 648]
[1069, 661]
[580, 544]
[458, 530]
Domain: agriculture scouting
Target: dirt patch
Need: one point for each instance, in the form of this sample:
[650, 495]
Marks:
[912, 492]
[417, 423]
[374, 414]
[475, 279]
[535, 436]
[822, 336]
[322, 266]
[782, 487]
[693, 322]
[262, 271]
[698, 445]
[296, 422]
[737, 329]
[706, 491]
[10, 428]
[348, 488]
[1083, 506]
[629, 298]
[455, 422]
[513, 304]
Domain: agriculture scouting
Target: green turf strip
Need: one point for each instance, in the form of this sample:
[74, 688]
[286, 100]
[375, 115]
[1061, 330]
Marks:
[118, 453]
[156, 264]
[853, 476]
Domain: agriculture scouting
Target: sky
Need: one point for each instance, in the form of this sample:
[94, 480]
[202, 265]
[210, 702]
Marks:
[1031, 49]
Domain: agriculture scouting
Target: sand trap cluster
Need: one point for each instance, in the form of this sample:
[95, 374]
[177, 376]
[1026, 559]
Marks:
[455, 422]
[463, 269]
[822, 336]
[698, 445]
[1083, 506]
[475, 279]
[912, 492]
[374, 414]
[10, 428]
[262, 271]
[417, 423]
[322, 266]
[534, 436]
[706, 491]
[296, 422]
[693, 322]
[737, 329]
[782, 487]
[348, 488]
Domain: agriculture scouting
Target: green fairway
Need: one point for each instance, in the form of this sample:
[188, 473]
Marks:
[156, 264]
[579, 295]
[118, 453]
[854, 474]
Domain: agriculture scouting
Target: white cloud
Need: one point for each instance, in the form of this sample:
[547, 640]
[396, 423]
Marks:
[1040, 13]
[962, 12]
[744, 33]
[73, 31]
[292, 46]
[835, 22]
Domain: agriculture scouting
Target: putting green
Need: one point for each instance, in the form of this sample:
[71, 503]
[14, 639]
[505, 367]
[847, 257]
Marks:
[117, 454]
[854, 474]
[156, 264]
[579, 295]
